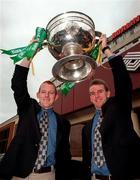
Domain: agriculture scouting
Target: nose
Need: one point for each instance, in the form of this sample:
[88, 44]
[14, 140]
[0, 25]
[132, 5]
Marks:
[96, 95]
[47, 94]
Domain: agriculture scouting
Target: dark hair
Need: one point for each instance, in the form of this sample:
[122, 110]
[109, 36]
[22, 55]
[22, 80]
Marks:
[99, 82]
[50, 83]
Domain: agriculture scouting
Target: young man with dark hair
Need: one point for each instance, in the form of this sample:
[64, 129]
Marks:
[111, 147]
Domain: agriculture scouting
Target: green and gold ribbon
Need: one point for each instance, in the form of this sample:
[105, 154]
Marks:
[96, 54]
[66, 87]
[29, 51]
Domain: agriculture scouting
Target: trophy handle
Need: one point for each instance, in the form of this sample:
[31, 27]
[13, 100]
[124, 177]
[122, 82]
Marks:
[98, 33]
[97, 36]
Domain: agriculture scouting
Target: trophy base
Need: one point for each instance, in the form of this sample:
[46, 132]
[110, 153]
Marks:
[74, 68]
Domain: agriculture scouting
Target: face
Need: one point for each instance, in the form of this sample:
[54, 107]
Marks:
[98, 95]
[47, 95]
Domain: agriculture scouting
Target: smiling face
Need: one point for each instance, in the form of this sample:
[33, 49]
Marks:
[98, 95]
[47, 95]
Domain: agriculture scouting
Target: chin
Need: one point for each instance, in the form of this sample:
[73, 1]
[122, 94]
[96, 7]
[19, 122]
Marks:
[99, 106]
[45, 106]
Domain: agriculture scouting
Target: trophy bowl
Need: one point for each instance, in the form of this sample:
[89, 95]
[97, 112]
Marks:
[71, 37]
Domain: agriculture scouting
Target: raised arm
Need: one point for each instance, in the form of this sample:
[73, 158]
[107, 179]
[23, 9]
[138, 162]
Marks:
[122, 81]
[19, 85]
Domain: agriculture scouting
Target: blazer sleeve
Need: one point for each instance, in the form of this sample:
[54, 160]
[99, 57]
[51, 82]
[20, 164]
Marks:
[122, 81]
[19, 86]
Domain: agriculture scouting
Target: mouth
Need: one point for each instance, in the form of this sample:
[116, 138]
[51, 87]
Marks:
[98, 100]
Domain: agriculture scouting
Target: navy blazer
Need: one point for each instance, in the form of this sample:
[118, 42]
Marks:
[121, 145]
[21, 155]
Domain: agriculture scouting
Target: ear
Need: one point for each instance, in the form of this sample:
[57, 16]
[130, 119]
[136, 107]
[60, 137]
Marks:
[108, 94]
[37, 95]
[56, 96]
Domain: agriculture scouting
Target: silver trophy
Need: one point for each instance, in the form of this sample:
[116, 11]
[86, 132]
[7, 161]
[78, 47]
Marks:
[71, 36]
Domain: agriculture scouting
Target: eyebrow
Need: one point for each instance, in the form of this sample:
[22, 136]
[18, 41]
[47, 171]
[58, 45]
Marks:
[97, 91]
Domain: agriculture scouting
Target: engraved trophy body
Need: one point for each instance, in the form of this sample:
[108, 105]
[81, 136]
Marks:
[71, 37]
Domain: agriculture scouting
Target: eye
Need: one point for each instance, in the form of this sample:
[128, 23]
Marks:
[101, 91]
[91, 93]
[51, 92]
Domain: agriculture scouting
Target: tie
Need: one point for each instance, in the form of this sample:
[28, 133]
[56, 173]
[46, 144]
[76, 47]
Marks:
[98, 150]
[43, 125]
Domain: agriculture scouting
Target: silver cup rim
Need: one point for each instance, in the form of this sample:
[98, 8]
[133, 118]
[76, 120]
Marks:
[69, 12]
